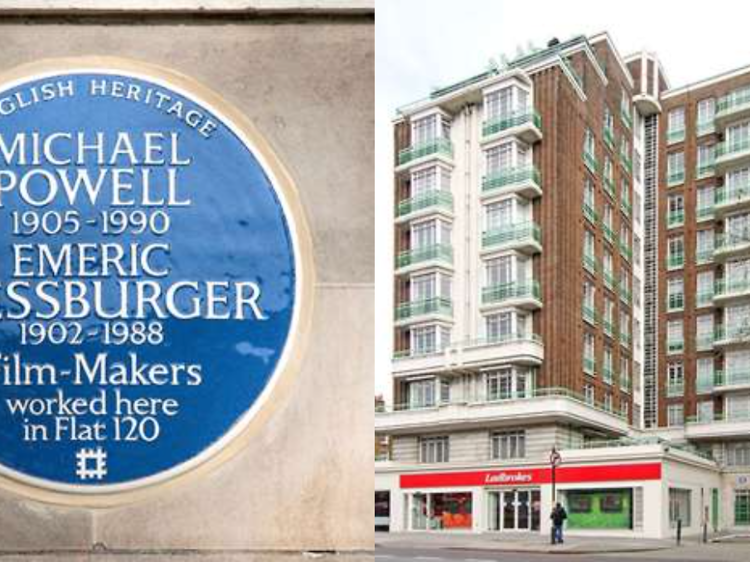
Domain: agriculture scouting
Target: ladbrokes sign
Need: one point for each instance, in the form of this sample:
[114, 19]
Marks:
[153, 275]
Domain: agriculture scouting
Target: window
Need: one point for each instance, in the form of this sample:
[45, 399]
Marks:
[609, 316]
[705, 411]
[607, 370]
[609, 176]
[738, 454]
[676, 207]
[429, 339]
[705, 374]
[421, 393]
[737, 134]
[675, 415]
[676, 124]
[704, 332]
[674, 336]
[737, 321]
[705, 288]
[704, 206]
[625, 374]
[737, 183]
[507, 384]
[428, 233]
[737, 229]
[509, 445]
[429, 129]
[679, 507]
[706, 110]
[608, 406]
[433, 449]
[675, 168]
[589, 151]
[624, 327]
[499, 327]
[505, 102]
[589, 253]
[704, 252]
[706, 158]
[588, 393]
[589, 201]
[588, 353]
[675, 379]
[675, 294]
[675, 252]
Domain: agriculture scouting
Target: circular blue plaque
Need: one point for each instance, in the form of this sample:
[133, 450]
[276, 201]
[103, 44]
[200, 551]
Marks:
[149, 278]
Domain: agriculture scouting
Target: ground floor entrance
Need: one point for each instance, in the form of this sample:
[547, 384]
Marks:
[514, 510]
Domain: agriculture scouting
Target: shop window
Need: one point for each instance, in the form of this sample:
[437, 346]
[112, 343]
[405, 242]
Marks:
[599, 509]
[442, 511]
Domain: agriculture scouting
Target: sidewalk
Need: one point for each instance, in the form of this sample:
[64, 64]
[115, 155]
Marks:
[519, 542]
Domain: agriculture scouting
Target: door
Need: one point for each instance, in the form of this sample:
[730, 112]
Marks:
[514, 510]
[715, 509]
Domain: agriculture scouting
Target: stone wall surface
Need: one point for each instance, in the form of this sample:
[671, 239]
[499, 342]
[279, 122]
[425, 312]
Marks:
[305, 480]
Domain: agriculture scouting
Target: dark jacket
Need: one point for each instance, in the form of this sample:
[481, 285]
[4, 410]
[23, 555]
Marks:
[559, 515]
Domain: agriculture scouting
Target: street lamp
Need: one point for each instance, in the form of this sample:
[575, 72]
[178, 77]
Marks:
[554, 460]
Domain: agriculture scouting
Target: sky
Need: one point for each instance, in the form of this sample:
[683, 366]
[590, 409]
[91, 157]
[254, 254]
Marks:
[421, 44]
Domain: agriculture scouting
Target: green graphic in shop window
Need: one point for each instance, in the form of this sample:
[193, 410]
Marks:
[610, 509]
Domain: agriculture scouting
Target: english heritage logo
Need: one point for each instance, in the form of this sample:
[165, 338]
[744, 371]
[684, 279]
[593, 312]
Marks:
[148, 278]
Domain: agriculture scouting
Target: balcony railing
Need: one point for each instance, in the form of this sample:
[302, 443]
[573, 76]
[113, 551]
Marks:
[719, 417]
[625, 339]
[439, 252]
[589, 314]
[705, 170]
[436, 305]
[589, 262]
[675, 136]
[675, 389]
[508, 291]
[625, 249]
[675, 302]
[675, 346]
[728, 149]
[609, 186]
[607, 374]
[627, 163]
[590, 160]
[510, 177]
[704, 298]
[625, 294]
[609, 234]
[704, 213]
[705, 383]
[732, 335]
[705, 128]
[609, 280]
[732, 377]
[609, 137]
[515, 119]
[440, 145]
[733, 195]
[609, 327]
[525, 231]
[733, 102]
[438, 199]
[627, 117]
[729, 287]
[704, 256]
[704, 342]
[676, 261]
[626, 207]
[730, 242]
[675, 218]
[589, 365]
[676, 178]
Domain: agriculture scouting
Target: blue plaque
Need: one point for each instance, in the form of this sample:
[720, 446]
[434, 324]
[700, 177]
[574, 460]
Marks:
[149, 278]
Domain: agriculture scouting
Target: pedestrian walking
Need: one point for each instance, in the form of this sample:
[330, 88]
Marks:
[558, 516]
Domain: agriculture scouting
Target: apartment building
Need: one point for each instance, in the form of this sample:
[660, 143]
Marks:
[536, 300]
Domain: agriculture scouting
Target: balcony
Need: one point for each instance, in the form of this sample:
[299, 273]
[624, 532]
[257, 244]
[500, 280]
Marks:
[609, 280]
[523, 180]
[609, 234]
[676, 261]
[525, 237]
[625, 295]
[676, 136]
[704, 256]
[416, 154]
[589, 159]
[541, 405]
[435, 254]
[705, 384]
[732, 379]
[728, 154]
[626, 207]
[731, 289]
[609, 186]
[676, 178]
[425, 203]
[732, 198]
[524, 295]
[627, 163]
[423, 309]
[719, 427]
[518, 349]
[675, 219]
[730, 245]
[731, 107]
[609, 328]
[526, 124]
[676, 302]
[738, 335]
